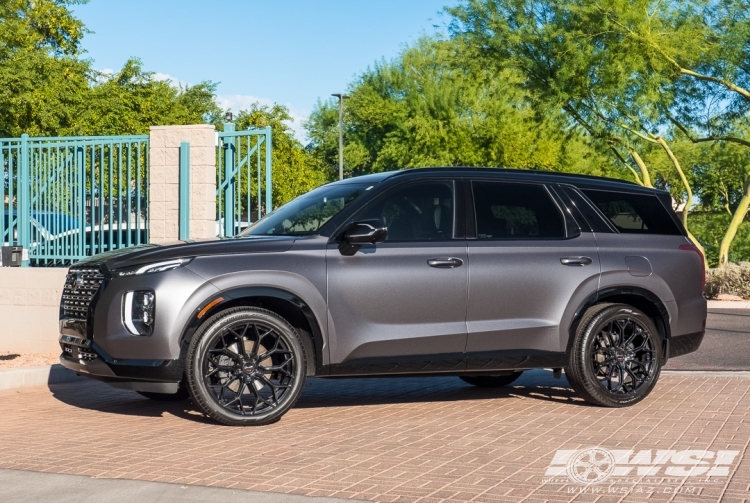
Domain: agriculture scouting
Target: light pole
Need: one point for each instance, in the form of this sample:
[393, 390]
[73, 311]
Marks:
[341, 98]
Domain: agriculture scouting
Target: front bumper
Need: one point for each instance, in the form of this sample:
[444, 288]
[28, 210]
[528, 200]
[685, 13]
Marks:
[86, 358]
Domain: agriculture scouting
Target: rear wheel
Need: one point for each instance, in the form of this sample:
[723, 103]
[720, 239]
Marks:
[246, 367]
[492, 381]
[616, 356]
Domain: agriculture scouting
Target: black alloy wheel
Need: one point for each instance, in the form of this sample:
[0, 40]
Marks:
[616, 356]
[245, 366]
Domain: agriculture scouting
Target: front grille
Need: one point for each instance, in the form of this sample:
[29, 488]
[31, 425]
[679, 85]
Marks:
[82, 354]
[81, 285]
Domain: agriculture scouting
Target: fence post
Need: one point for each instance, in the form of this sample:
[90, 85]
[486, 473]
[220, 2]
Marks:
[269, 188]
[229, 153]
[166, 190]
[24, 201]
[184, 190]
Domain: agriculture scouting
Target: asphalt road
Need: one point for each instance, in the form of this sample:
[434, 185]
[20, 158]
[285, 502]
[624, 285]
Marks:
[726, 345]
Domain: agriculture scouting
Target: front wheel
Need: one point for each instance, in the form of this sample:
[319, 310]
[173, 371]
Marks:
[616, 356]
[245, 367]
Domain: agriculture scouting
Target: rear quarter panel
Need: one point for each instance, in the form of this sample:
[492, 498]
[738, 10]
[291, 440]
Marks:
[675, 276]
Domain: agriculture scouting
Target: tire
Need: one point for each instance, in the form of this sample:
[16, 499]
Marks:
[615, 360]
[252, 383]
[182, 394]
[491, 381]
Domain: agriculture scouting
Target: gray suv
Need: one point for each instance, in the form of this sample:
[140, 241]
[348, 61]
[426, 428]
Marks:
[475, 273]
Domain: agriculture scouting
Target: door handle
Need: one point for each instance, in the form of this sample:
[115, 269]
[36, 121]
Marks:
[445, 263]
[575, 261]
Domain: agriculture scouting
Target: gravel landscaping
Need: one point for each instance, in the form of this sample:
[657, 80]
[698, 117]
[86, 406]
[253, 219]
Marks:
[9, 360]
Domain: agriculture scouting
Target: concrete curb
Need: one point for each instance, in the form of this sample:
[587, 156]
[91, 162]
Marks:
[728, 304]
[23, 377]
[745, 374]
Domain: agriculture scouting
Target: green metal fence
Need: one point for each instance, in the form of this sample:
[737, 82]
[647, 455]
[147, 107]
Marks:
[66, 198]
[243, 177]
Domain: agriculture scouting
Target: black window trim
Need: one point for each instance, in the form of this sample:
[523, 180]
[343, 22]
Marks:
[458, 212]
[603, 220]
[471, 224]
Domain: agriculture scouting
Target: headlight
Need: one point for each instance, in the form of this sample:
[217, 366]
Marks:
[138, 312]
[167, 265]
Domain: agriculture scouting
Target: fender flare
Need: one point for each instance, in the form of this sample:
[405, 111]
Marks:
[613, 291]
[234, 294]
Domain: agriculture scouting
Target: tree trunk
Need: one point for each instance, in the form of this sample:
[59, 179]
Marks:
[737, 218]
[689, 201]
[642, 167]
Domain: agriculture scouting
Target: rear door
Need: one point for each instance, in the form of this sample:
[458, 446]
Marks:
[528, 261]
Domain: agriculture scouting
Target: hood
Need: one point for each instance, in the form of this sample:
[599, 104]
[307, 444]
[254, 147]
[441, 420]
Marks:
[145, 254]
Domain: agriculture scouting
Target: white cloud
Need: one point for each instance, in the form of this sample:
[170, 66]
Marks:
[237, 102]
[174, 80]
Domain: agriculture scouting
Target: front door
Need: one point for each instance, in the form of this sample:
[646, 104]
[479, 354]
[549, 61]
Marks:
[400, 305]
[526, 267]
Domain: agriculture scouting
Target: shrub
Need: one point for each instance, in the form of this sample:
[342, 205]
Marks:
[734, 279]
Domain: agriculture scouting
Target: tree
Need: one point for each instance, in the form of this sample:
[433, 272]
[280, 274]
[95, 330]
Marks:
[42, 81]
[295, 171]
[431, 106]
[131, 100]
[44, 25]
[590, 59]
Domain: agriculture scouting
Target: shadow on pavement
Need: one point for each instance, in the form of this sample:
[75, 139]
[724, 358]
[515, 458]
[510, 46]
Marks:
[322, 393]
[101, 397]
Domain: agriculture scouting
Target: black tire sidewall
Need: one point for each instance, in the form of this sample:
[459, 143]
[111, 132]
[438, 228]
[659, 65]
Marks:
[581, 373]
[203, 398]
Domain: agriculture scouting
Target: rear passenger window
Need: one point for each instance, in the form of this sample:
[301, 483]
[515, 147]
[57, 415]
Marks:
[507, 210]
[634, 213]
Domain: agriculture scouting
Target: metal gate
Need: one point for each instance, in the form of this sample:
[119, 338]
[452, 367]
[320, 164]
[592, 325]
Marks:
[244, 178]
[66, 198]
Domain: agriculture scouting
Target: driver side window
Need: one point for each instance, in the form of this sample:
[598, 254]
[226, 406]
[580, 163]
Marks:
[418, 212]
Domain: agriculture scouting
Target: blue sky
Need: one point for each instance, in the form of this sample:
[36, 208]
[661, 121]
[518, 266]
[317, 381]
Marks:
[286, 51]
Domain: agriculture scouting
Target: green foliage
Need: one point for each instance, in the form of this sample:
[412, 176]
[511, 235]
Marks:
[709, 229]
[131, 100]
[432, 107]
[295, 171]
[41, 25]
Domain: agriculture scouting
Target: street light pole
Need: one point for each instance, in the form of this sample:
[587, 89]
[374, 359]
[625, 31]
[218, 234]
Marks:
[341, 98]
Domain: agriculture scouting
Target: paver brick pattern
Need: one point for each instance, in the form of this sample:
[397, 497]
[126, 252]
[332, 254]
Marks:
[391, 439]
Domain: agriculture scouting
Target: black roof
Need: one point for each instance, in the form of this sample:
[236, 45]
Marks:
[581, 181]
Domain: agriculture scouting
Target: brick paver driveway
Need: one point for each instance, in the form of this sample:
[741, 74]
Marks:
[411, 439]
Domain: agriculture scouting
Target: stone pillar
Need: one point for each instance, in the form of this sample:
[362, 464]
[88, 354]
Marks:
[164, 181]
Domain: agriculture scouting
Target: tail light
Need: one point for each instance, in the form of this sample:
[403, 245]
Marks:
[691, 247]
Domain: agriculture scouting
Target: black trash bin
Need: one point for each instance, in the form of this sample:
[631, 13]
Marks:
[12, 256]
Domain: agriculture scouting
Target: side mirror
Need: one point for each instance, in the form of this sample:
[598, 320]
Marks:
[365, 232]
[360, 233]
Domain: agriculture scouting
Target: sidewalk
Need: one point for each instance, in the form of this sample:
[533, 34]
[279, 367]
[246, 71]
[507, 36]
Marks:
[400, 439]
[25, 487]
[728, 304]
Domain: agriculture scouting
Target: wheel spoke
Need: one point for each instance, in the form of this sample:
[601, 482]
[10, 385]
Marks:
[227, 366]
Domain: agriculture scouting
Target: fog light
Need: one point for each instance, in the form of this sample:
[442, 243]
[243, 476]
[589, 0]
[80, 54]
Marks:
[138, 312]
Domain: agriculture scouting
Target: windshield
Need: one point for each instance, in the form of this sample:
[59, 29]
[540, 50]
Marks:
[308, 213]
